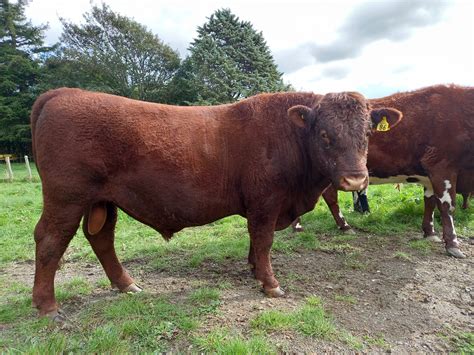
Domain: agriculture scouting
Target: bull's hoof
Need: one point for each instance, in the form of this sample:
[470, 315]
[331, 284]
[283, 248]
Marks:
[274, 292]
[59, 318]
[348, 231]
[132, 288]
[433, 238]
[455, 252]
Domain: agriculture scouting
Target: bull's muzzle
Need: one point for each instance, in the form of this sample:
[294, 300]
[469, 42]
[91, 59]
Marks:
[353, 183]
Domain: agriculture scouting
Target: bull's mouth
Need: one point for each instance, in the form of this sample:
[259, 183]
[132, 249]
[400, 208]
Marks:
[352, 182]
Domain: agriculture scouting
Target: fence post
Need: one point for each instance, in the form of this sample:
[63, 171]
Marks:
[9, 169]
[27, 162]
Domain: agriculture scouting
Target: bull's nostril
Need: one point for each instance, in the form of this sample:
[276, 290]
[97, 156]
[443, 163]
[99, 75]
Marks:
[354, 183]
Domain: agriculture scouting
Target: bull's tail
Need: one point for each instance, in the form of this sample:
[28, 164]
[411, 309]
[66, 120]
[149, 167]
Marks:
[36, 112]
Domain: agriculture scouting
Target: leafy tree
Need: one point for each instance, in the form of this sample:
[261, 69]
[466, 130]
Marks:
[229, 60]
[113, 53]
[21, 44]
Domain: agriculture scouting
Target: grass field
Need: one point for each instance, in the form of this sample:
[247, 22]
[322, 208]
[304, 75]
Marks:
[105, 321]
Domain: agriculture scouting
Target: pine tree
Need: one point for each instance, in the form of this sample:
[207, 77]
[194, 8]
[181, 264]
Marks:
[229, 60]
[21, 44]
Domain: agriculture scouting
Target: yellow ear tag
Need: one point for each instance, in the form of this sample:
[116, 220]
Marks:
[383, 125]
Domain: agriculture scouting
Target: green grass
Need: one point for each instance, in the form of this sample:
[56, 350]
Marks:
[132, 323]
[377, 341]
[223, 341]
[402, 256]
[463, 342]
[103, 283]
[422, 246]
[310, 320]
[346, 299]
[355, 261]
[153, 323]
[16, 297]
[393, 213]
[207, 300]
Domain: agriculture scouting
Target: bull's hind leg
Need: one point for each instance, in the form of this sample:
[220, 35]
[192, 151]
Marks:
[428, 216]
[445, 193]
[98, 226]
[465, 200]
[54, 231]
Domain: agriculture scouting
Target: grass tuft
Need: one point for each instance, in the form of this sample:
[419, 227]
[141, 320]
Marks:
[310, 320]
[207, 300]
[422, 246]
[402, 256]
[463, 342]
[221, 341]
[346, 299]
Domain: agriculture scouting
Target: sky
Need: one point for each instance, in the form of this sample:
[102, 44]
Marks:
[376, 47]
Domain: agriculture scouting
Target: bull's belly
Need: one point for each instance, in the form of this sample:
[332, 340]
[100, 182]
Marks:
[402, 179]
[169, 209]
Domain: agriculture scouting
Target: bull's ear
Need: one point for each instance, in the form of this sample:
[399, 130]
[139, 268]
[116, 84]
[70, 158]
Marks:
[384, 119]
[301, 116]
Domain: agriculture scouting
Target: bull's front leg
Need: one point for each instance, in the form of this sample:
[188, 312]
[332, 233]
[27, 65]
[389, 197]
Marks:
[445, 192]
[261, 229]
[330, 197]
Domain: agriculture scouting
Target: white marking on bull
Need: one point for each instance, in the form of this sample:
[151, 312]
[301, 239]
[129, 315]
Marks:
[455, 239]
[447, 196]
[340, 215]
[298, 225]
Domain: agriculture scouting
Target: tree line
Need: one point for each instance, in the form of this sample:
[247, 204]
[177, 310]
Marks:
[108, 52]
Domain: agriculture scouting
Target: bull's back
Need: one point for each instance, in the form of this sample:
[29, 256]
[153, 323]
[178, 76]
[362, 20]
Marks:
[90, 127]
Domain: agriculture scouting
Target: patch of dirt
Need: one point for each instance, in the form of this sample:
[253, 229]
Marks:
[371, 293]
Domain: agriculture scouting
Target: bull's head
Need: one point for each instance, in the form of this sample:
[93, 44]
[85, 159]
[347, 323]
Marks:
[337, 130]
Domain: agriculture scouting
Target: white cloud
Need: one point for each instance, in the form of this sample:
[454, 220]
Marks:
[439, 53]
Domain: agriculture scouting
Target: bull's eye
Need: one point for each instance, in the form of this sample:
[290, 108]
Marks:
[325, 138]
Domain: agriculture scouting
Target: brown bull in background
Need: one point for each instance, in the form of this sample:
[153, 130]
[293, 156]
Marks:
[432, 146]
[267, 158]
